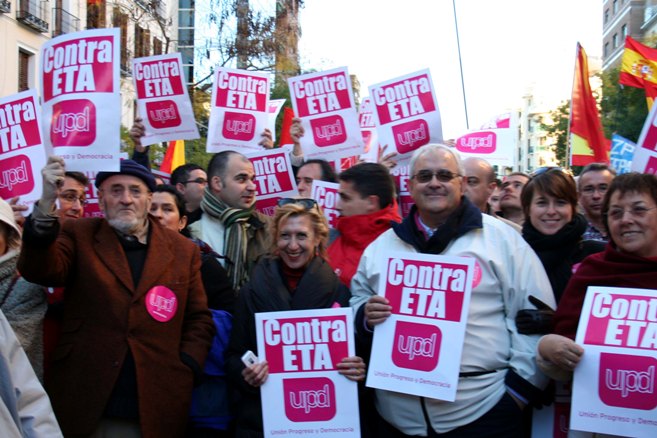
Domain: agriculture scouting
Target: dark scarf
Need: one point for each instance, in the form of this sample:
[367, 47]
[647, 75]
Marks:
[236, 238]
[557, 251]
[609, 268]
[466, 218]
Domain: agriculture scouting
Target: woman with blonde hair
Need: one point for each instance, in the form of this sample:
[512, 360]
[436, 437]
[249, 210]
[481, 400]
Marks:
[295, 276]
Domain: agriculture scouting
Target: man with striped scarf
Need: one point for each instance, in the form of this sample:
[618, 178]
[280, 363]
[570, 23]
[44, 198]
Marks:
[230, 224]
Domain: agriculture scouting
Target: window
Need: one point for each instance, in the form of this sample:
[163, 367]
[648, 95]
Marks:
[615, 7]
[95, 14]
[606, 52]
[186, 37]
[615, 41]
[186, 18]
[120, 20]
[142, 41]
[606, 16]
[624, 31]
[24, 70]
[157, 46]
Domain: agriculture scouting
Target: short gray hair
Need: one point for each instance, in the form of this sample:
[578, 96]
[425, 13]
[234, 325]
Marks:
[435, 147]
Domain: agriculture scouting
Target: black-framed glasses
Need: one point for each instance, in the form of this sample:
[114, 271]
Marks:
[198, 180]
[306, 203]
[72, 197]
[443, 175]
[639, 211]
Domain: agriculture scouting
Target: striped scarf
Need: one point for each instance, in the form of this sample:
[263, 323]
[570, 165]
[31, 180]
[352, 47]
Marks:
[235, 236]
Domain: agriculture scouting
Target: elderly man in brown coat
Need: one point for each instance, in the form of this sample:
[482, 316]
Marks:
[136, 326]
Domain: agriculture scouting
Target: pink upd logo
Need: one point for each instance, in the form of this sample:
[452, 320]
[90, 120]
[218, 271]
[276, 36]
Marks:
[417, 346]
[161, 303]
[483, 142]
[627, 381]
[163, 114]
[73, 123]
[239, 126]
[15, 177]
[309, 399]
[651, 166]
[328, 131]
[410, 135]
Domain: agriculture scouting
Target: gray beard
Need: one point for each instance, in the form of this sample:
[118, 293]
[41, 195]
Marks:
[126, 227]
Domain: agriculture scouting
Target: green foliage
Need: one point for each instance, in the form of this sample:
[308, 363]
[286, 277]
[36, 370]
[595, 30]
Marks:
[559, 130]
[623, 109]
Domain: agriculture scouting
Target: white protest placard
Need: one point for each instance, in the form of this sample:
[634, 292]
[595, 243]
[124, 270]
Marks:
[553, 421]
[417, 350]
[368, 129]
[275, 106]
[614, 390]
[22, 155]
[92, 208]
[645, 154]
[304, 393]
[239, 112]
[495, 141]
[81, 110]
[273, 177]
[326, 195]
[324, 102]
[401, 174]
[406, 113]
[162, 99]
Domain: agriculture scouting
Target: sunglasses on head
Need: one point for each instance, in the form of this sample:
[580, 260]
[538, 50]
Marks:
[306, 203]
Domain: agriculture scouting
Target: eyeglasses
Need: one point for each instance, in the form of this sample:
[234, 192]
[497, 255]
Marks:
[443, 175]
[590, 190]
[198, 180]
[118, 191]
[72, 197]
[306, 203]
[639, 211]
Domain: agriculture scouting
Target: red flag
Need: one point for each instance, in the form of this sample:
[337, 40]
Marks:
[587, 141]
[284, 136]
[174, 157]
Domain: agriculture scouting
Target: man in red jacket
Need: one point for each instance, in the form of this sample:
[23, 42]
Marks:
[366, 205]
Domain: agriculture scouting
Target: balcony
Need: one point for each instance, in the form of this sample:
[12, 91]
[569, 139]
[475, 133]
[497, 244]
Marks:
[126, 62]
[32, 13]
[64, 22]
[5, 6]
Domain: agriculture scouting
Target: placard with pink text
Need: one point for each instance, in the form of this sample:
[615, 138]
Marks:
[494, 141]
[417, 350]
[368, 130]
[22, 155]
[81, 99]
[326, 194]
[304, 393]
[274, 178]
[239, 112]
[275, 106]
[614, 389]
[163, 100]
[324, 102]
[402, 179]
[406, 113]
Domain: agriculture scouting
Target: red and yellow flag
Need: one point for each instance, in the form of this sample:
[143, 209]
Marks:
[587, 140]
[639, 68]
[174, 156]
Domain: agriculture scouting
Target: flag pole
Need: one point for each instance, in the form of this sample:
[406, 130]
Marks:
[458, 46]
[569, 151]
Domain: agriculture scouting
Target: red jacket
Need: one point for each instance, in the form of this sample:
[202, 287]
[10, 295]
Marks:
[356, 233]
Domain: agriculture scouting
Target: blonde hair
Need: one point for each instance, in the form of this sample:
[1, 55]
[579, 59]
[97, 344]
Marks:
[317, 219]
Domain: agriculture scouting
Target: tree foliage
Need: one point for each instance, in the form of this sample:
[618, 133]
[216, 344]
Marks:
[623, 108]
[557, 128]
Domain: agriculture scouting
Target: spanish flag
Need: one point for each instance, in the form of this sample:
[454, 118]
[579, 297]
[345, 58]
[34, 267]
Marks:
[639, 68]
[587, 141]
[174, 157]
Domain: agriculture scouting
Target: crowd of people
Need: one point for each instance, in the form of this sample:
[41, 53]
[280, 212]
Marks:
[136, 322]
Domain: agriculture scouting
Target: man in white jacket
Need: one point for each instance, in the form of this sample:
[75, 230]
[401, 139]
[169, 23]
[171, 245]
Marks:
[498, 376]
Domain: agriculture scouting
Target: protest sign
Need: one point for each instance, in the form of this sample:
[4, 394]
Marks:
[645, 154]
[614, 383]
[239, 112]
[92, 208]
[326, 195]
[401, 174]
[304, 393]
[406, 113]
[273, 177]
[429, 295]
[553, 421]
[494, 141]
[622, 153]
[368, 129]
[275, 106]
[22, 155]
[81, 98]
[325, 104]
[162, 99]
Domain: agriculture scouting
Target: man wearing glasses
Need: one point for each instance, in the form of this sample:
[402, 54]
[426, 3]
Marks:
[498, 376]
[592, 185]
[136, 327]
[190, 180]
